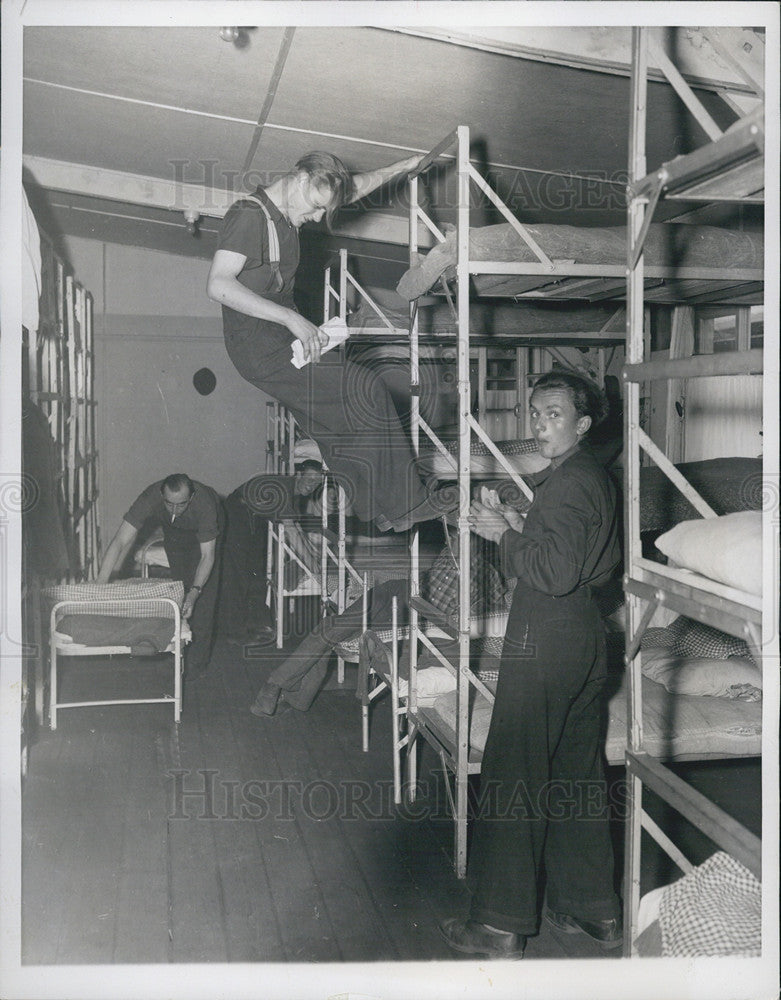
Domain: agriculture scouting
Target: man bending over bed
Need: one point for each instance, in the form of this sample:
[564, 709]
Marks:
[192, 520]
[543, 747]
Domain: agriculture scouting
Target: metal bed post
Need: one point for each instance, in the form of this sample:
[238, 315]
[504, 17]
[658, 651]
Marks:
[341, 566]
[634, 353]
[464, 470]
[343, 284]
[414, 375]
[327, 295]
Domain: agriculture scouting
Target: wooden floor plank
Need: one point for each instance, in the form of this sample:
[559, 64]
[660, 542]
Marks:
[303, 856]
[142, 920]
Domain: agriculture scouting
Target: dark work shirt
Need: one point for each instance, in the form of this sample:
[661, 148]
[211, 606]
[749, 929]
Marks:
[200, 519]
[244, 230]
[570, 537]
[272, 497]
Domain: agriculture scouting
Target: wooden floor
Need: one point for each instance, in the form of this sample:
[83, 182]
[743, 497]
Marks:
[233, 839]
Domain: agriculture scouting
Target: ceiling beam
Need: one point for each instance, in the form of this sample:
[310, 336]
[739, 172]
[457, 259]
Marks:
[608, 50]
[178, 196]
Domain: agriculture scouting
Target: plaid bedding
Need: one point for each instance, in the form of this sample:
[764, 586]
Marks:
[714, 910]
[524, 446]
[686, 637]
[112, 598]
[487, 587]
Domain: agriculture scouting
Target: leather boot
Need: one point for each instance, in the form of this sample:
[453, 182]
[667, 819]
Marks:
[472, 938]
[266, 701]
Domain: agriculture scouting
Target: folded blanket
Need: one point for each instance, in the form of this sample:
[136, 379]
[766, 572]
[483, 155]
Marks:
[144, 636]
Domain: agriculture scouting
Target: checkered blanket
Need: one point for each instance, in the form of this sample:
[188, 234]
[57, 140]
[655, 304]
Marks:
[686, 637]
[486, 586]
[525, 446]
[714, 910]
[112, 598]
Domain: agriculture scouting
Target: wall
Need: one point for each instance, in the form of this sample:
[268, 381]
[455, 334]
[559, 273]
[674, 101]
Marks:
[154, 328]
[723, 417]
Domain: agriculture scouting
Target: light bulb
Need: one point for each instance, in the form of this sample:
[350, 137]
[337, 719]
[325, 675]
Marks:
[191, 217]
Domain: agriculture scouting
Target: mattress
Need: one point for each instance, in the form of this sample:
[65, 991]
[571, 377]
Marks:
[673, 245]
[728, 485]
[676, 727]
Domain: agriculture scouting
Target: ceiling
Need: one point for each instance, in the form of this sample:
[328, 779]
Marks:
[124, 127]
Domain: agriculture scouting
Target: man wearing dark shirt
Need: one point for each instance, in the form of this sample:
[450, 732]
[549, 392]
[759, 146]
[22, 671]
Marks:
[192, 519]
[250, 508]
[346, 407]
[543, 794]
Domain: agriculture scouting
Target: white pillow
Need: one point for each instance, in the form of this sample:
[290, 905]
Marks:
[432, 682]
[699, 675]
[727, 549]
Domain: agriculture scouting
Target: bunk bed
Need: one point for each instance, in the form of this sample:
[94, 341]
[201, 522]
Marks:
[729, 167]
[562, 276]
[679, 262]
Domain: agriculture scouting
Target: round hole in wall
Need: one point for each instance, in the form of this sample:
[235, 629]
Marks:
[204, 381]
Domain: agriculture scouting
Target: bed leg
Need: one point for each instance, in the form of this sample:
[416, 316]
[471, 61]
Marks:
[412, 761]
[52, 685]
[632, 862]
[460, 818]
[365, 725]
[178, 681]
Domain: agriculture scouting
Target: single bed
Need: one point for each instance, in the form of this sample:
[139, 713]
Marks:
[125, 618]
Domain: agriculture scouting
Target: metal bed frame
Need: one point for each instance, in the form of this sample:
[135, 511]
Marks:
[729, 168]
[562, 279]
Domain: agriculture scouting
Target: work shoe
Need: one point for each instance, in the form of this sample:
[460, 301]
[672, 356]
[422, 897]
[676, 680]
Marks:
[266, 701]
[438, 504]
[607, 933]
[471, 938]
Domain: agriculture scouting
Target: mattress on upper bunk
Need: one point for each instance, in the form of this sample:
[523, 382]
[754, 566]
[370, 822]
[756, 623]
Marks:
[667, 244]
[726, 484]
[675, 726]
[497, 321]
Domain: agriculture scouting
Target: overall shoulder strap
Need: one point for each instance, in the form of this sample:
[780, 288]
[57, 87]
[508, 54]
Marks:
[273, 237]
[273, 240]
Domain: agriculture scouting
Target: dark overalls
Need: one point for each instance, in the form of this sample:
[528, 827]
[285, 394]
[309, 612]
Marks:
[543, 820]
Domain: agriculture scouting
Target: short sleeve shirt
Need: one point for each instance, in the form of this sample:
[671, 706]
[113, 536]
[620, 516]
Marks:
[200, 517]
[244, 230]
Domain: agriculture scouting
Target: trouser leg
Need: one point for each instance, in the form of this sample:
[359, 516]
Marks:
[183, 561]
[579, 852]
[303, 672]
[348, 409]
[243, 571]
[548, 663]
